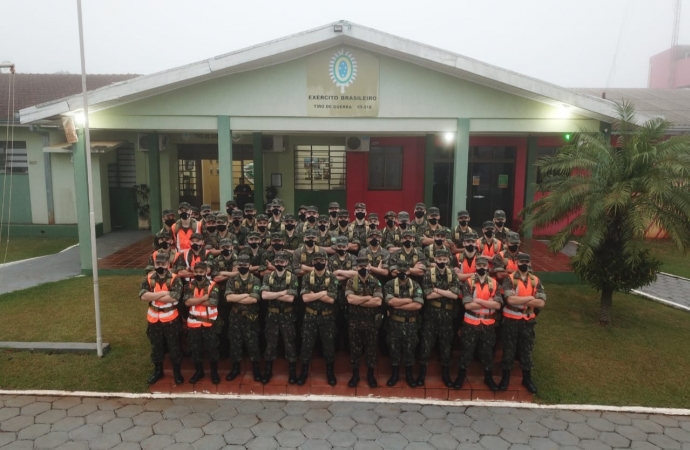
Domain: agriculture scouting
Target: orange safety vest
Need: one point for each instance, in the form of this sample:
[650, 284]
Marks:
[523, 289]
[195, 259]
[161, 311]
[490, 250]
[199, 315]
[466, 267]
[483, 316]
[183, 238]
[508, 263]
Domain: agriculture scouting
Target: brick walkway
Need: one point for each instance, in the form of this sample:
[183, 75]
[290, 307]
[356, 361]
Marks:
[133, 256]
[81, 423]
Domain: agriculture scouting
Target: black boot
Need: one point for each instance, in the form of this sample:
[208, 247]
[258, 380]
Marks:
[330, 376]
[199, 374]
[157, 373]
[489, 380]
[371, 379]
[505, 380]
[292, 373]
[177, 374]
[409, 377]
[395, 376]
[257, 371]
[527, 381]
[215, 378]
[268, 373]
[445, 376]
[354, 381]
[422, 376]
[234, 371]
[460, 379]
[303, 375]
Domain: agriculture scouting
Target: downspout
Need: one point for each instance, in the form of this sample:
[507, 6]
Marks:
[48, 172]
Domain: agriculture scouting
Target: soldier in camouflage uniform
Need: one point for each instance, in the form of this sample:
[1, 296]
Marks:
[303, 256]
[440, 236]
[459, 231]
[488, 245]
[433, 226]
[208, 223]
[464, 262]
[249, 221]
[404, 296]
[277, 245]
[413, 256]
[165, 245]
[373, 221]
[333, 209]
[188, 258]
[256, 254]
[201, 297]
[230, 206]
[168, 220]
[481, 299]
[377, 256]
[326, 241]
[345, 228]
[364, 295]
[243, 294]
[342, 265]
[311, 217]
[359, 224]
[292, 238]
[441, 291]
[505, 262]
[275, 223]
[524, 296]
[419, 223]
[278, 290]
[319, 290]
[262, 228]
[391, 233]
[224, 268]
[237, 229]
[301, 215]
[162, 290]
[500, 222]
[221, 232]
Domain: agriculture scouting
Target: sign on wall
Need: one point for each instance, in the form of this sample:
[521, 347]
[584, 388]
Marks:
[343, 82]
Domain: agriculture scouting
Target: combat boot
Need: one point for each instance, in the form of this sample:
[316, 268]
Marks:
[157, 373]
[177, 374]
[445, 376]
[489, 380]
[354, 381]
[527, 381]
[256, 371]
[268, 373]
[371, 379]
[505, 380]
[330, 376]
[460, 379]
[292, 373]
[234, 371]
[409, 377]
[199, 374]
[215, 378]
[303, 375]
[422, 375]
[395, 376]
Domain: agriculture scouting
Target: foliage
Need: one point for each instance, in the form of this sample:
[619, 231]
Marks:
[614, 194]
[141, 200]
[271, 193]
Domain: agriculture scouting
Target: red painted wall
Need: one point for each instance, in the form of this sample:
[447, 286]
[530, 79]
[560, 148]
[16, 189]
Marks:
[548, 141]
[381, 202]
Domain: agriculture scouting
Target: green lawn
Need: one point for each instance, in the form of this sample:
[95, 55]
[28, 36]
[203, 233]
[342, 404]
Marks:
[639, 360]
[675, 262]
[30, 247]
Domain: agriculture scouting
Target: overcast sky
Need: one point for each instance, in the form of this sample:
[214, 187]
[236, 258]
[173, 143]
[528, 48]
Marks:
[567, 42]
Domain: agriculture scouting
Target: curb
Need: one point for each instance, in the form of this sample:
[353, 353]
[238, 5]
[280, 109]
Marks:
[678, 277]
[661, 300]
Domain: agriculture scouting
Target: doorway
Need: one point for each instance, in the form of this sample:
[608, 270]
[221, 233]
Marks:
[491, 182]
[442, 194]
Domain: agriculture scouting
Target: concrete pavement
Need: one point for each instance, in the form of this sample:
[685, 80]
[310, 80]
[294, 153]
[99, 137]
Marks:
[669, 288]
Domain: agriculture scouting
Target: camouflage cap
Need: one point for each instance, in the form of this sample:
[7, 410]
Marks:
[440, 232]
[277, 236]
[310, 232]
[481, 259]
[362, 261]
[342, 240]
[323, 218]
[230, 203]
[343, 213]
[201, 265]
[489, 225]
[371, 233]
[282, 256]
[244, 259]
[168, 212]
[402, 265]
[408, 233]
[210, 217]
[225, 242]
[389, 214]
[253, 234]
[513, 238]
[194, 209]
[334, 205]
[433, 210]
[197, 236]
[279, 202]
[249, 207]
[206, 207]
[373, 216]
[463, 213]
[162, 257]
[301, 207]
[184, 205]
[360, 205]
[312, 208]
[289, 216]
[441, 252]
[523, 257]
[163, 235]
[237, 214]
[319, 254]
[262, 218]
[499, 214]
[419, 205]
[470, 235]
[221, 218]
[403, 215]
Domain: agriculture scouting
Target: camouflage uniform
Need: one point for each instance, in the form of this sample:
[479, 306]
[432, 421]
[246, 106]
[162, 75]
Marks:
[391, 238]
[333, 221]
[457, 233]
[412, 257]
[324, 236]
[280, 320]
[239, 231]
[363, 329]
[164, 333]
[506, 261]
[276, 238]
[402, 333]
[306, 225]
[319, 319]
[352, 235]
[203, 337]
[419, 228]
[500, 216]
[244, 319]
[170, 251]
[249, 208]
[302, 256]
[486, 248]
[430, 251]
[257, 257]
[481, 335]
[222, 263]
[264, 235]
[292, 242]
[275, 226]
[213, 239]
[381, 256]
[346, 262]
[364, 227]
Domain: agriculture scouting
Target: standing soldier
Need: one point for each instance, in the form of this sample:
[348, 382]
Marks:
[319, 289]
[249, 221]
[324, 235]
[279, 289]
[373, 221]
[488, 245]
[432, 227]
[292, 238]
[439, 242]
[364, 295]
[277, 245]
[224, 268]
[221, 233]
[404, 296]
[201, 297]
[230, 206]
[359, 224]
[183, 229]
[342, 265]
[524, 293]
[237, 229]
[391, 234]
[190, 257]
[505, 263]
[441, 291]
[262, 229]
[312, 215]
[377, 256]
[164, 245]
[419, 223]
[205, 214]
[168, 220]
[256, 254]
[500, 222]
[302, 215]
[333, 209]
[243, 294]
[413, 256]
[162, 290]
[275, 223]
[196, 216]
[464, 262]
[459, 231]
[481, 298]
[302, 258]
[345, 228]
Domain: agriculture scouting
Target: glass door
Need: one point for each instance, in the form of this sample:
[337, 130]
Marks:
[491, 182]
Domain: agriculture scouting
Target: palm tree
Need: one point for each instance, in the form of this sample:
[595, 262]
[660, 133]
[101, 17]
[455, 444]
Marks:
[613, 194]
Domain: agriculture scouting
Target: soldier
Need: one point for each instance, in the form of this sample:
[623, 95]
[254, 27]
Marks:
[524, 296]
[312, 215]
[190, 257]
[441, 291]
[275, 223]
[302, 258]
[419, 223]
[277, 245]
[249, 221]
[279, 289]
[205, 213]
[413, 256]
[439, 242]
[488, 245]
[230, 206]
[243, 294]
[183, 229]
[208, 228]
[373, 221]
[319, 289]
[302, 214]
[505, 263]
[481, 298]
[195, 214]
[500, 222]
[342, 265]
[432, 227]
[391, 233]
[168, 220]
[464, 262]
[292, 238]
[345, 228]
[404, 224]
[333, 209]
[404, 296]
[213, 241]
[201, 297]
[377, 256]
[325, 238]
[164, 245]
[459, 231]
[256, 254]
[359, 224]
[224, 268]
[237, 229]
[262, 228]
[162, 290]
[364, 296]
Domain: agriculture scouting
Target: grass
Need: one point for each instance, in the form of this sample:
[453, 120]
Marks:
[674, 261]
[29, 247]
[639, 360]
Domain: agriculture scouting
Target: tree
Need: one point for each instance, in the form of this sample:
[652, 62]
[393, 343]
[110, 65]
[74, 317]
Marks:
[613, 194]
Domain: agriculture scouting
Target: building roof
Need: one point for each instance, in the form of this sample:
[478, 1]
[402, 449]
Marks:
[671, 104]
[312, 41]
[36, 88]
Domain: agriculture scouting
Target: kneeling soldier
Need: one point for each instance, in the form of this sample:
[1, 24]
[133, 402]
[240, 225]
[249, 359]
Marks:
[404, 297]
[481, 298]
[242, 293]
[162, 290]
[201, 297]
[364, 294]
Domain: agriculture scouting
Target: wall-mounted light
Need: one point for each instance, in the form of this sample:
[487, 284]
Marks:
[448, 137]
[79, 119]
[338, 28]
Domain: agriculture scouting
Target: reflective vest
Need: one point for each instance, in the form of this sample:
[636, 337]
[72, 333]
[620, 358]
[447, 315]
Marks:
[170, 260]
[195, 259]
[200, 315]
[522, 289]
[161, 311]
[509, 264]
[465, 266]
[183, 238]
[489, 250]
[483, 316]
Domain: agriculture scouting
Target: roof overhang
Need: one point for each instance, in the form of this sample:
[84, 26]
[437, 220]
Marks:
[96, 147]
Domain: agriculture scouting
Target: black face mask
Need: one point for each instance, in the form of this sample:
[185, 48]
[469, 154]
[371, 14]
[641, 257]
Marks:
[441, 265]
[278, 247]
[184, 215]
[438, 242]
[363, 272]
[340, 252]
[489, 234]
[390, 223]
[360, 215]
[170, 222]
[211, 228]
[407, 244]
[513, 248]
[302, 217]
[198, 277]
[433, 221]
[402, 276]
[261, 228]
[463, 223]
[229, 210]
[279, 267]
[289, 226]
[243, 270]
[481, 272]
[237, 222]
[500, 224]
[374, 242]
[275, 211]
[343, 223]
[249, 217]
[311, 219]
[253, 244]
[469, 248]
[403, 225]
[333, 214]
[196, 247]
[225, 252]
[323, 227]
[160, 270]
[372, 226]
[319, 266]
[419, 214]
[221, 228]
[309, 242]
[523, 267]
[164, 245]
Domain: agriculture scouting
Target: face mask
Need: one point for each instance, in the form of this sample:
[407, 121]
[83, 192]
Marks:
[402, 276]
[275, 211]
[229, 210]
[481, 272]
[261, 228]
[403, 225]
[463, 223]
[390, 223]
[489, 234]
[279, 267]
[278, 247]
[184, 215]
[164, 245]
[302, 217]
[340, 252]
[243, 270]
[333, 214]
[170, 222]
[372, 226]
[513, 248]
[433, 221]
[500, 224]
[196, 247]
[523, 267]
[311, 219]
[441, 265]
[221, 228]
[343, 223]
[469, 248]
[211, 228]
[289, 226]
[375, 242]
[323, 227]
[419, 214]
[253, 244]
[363, 272]
[249, 217]
[360, 215]
[237, 222]
[407, 244]
[319, 266]
[225, 252]
[160, 270]
[198, 277]
[438, 242]
[309, 243]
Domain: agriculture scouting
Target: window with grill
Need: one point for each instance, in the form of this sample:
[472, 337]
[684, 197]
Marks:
[187, 170]
[123, 173]
[14, 157]
[320, 167]
[385, 168]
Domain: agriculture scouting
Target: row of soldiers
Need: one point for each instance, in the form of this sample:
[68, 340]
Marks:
[226, 278]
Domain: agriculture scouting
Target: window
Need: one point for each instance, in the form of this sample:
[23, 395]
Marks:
[123, 172]
[542, 152]
[385, 168]
[320, 167]
[13, 157]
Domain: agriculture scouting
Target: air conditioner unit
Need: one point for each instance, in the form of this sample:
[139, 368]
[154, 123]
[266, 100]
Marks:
[357, 143]
[143, 145]
[272, 143]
